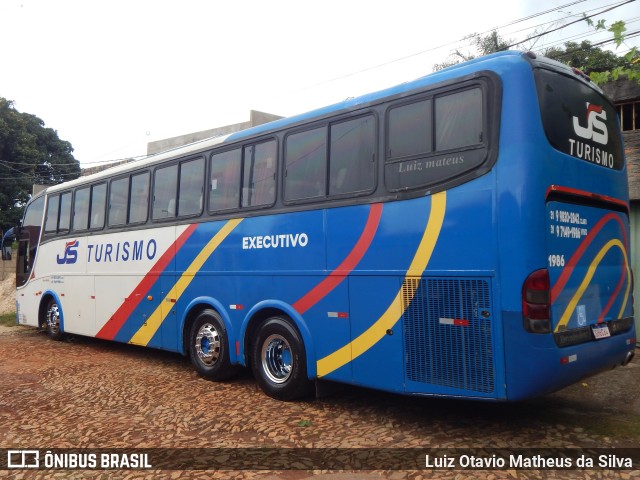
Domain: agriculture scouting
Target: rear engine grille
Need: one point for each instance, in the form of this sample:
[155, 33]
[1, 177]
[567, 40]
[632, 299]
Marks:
[447, 327]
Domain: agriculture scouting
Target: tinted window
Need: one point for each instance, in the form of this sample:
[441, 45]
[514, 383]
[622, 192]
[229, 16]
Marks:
[352, 156]
[578, 120]
[139, 201]
[65, 212]
[224, 185]
[259, 174]
[459, 119]
[459, 144]
[410, 129]
[118, 198]
[305, 164]
[51, 223]
[81, 209]
[33, 215]
[98, 201]
[191, 187]
[165, 187]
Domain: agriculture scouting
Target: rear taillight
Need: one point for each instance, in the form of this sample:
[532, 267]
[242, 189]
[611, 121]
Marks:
[536, 302]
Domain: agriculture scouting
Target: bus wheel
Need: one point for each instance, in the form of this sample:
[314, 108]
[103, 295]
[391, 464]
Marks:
[209, 346]
[53, 321]
[279, 362]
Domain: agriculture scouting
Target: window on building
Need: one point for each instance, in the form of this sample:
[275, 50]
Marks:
[629, 114]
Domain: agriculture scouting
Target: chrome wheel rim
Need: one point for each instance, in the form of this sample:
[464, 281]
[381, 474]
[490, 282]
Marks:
[53, 318]
[207, 344]
[277, 359]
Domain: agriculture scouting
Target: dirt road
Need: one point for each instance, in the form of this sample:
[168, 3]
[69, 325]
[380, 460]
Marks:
[87, 393]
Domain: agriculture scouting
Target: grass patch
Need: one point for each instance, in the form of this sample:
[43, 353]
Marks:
[622, 426]
[8, 319]
[626, 427]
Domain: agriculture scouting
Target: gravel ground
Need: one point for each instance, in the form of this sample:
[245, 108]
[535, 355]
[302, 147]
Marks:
[86, 393]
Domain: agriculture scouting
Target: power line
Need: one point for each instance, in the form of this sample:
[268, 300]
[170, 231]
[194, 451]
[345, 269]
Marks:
[438, 47]
[570, 23]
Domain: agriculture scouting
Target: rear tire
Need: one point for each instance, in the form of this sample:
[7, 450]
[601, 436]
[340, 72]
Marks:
[209, 347]
[279, 361]
[53, 315]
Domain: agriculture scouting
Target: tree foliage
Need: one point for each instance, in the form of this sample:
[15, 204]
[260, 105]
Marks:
[30, 154]
[600, 64]
[484, 45]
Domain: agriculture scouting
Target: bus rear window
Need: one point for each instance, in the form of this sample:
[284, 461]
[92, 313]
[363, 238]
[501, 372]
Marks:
[578, 120]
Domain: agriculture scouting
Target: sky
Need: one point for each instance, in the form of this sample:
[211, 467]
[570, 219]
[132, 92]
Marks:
[111, 76]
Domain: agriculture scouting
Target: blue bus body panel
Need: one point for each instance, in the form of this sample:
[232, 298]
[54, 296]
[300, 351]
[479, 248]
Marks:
[416, 292]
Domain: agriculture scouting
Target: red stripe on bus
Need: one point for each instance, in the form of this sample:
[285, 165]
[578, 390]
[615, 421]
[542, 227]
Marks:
[586, 194]
[613, 297]
[117, 320]
[348, 264]
[573, 261]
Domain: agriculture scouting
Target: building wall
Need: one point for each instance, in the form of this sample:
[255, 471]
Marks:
[256, 118]
[624, 91]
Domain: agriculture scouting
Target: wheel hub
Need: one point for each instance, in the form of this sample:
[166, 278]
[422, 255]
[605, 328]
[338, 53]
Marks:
[53, 318]
[277, 360]
[208, 344]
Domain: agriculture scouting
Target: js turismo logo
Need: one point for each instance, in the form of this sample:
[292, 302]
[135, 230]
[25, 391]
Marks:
[596, 128]
[70, 253]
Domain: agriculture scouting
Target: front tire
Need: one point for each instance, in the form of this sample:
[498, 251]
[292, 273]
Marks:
[209, 346]
[279, 361]
[53, 316]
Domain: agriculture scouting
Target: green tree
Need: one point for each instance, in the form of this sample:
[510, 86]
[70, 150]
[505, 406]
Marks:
[30, 154]
[484, 45]
[586, 57]
[601, 65]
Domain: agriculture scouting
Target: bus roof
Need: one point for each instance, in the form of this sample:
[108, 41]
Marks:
[469, 67]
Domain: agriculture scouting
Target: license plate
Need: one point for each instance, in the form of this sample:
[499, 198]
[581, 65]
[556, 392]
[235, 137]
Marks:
[600, 331]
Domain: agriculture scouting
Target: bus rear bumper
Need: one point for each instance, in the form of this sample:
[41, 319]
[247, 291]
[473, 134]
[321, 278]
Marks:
[536, 366]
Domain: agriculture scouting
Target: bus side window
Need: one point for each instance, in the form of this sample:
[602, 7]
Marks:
[459, 119]
[53, 207]
[81, 209]
[118, 198]
[224, 185]
[191, 187]
[98, 201]
[165, 187]
[139, 202]
[410, 130]
[306, 164]
[259, 174]
[64, 221]
[352, 156]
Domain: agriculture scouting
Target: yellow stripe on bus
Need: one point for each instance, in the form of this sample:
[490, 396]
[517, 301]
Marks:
[144, 335]
[566, 316]
[389, 318]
